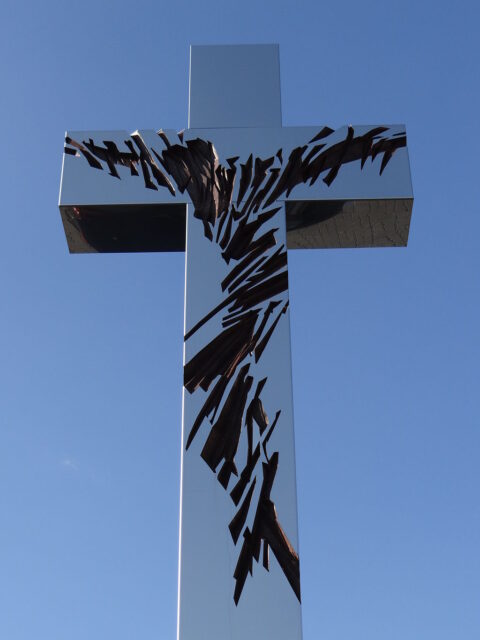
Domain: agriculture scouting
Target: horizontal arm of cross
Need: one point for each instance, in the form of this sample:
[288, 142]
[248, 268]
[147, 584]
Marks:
[349, 187]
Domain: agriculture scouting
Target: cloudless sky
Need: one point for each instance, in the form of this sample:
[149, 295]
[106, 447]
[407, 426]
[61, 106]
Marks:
[385, 341]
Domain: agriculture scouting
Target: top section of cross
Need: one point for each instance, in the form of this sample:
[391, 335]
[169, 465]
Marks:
[234, 86]
[348, 187]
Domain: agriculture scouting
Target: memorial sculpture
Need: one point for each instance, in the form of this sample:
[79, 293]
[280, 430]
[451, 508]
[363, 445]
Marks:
[247, 204]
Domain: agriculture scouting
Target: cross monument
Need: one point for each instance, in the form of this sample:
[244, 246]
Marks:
[235, 190]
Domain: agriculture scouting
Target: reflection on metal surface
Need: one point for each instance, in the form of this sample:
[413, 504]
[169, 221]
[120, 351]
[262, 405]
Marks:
[348, 224]
[131, 159]
[238, 160]
[257, 285]
[255, 295]
[125, 228]
[194, 167]
[234, 86]
[267, 528]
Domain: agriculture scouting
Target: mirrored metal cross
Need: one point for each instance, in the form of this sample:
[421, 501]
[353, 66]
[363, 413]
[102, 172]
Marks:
[241, 189]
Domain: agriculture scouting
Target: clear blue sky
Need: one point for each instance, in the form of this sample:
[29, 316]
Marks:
[385, 350]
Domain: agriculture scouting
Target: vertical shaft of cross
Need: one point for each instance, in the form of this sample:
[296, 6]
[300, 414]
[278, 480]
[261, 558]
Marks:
[238, 561]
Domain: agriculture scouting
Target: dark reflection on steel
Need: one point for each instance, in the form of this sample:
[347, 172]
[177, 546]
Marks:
[269, 434]
[195, 168]
[222, 442]
[126, 228]
[267, 528]
[353, 223]
[264, 341]
[238, 521]
[256, 285]
[221, 356]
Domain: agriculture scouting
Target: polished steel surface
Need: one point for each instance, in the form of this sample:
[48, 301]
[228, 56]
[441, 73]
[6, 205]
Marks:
[348, 224]
[268, 608]
[84, 186]
[234, 86]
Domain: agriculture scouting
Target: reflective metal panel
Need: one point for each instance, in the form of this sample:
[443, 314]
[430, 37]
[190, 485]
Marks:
[86, 183]
[82, 184]
[336, 224]
[235, 86]
[153, 171]
[126, 228]
[211, 562]
[357, 177]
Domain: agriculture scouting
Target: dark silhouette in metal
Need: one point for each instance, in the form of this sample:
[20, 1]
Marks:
[256, 298]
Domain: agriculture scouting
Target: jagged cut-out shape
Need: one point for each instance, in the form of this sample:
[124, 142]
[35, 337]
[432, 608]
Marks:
[256, 285]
